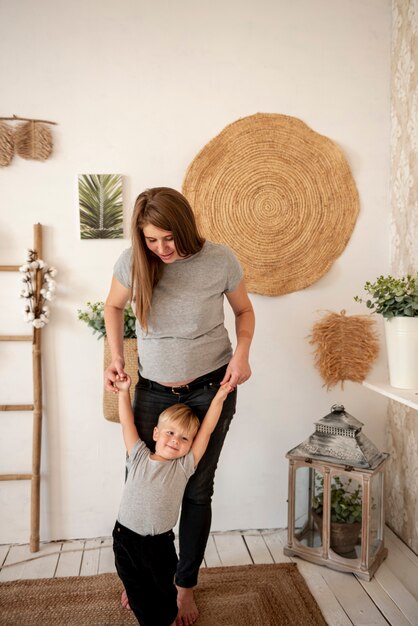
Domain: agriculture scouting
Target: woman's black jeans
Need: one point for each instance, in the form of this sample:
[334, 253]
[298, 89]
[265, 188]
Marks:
[196, 513]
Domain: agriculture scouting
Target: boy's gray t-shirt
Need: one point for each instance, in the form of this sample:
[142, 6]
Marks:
[153, 491]
[186, 333]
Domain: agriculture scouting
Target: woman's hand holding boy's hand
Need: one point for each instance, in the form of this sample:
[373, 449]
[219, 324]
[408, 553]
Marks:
[223, 391]
[122, 383]
[112, 372]
[238, 370]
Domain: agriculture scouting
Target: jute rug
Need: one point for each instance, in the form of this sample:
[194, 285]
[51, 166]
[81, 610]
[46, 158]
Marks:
[250, 595]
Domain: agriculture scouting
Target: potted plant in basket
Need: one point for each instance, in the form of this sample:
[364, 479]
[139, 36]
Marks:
[346, 512]
[396, 299]
[93, 316]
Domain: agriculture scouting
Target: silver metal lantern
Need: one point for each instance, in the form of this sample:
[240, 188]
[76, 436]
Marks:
[336, 497]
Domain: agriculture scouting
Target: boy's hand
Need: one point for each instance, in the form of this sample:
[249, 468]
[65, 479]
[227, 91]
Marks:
[122, 383]
[223, 391]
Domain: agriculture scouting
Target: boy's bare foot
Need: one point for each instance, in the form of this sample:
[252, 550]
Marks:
[124, 601]
[188, 611]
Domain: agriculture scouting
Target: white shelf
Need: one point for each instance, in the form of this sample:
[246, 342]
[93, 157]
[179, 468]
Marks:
[405, 396]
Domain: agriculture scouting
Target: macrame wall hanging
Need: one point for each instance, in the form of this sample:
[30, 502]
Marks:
[29, 139]
[346, 346]
[279, 194]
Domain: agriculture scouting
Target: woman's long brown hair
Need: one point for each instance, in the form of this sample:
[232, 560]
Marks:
[169, 210]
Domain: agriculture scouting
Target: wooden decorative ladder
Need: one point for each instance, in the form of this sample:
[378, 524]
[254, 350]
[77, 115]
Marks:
[36, 407]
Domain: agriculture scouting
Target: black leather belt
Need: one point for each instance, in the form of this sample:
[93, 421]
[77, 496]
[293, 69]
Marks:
[207, 380]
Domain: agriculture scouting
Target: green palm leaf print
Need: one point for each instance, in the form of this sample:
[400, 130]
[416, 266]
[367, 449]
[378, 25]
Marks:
[101, 207]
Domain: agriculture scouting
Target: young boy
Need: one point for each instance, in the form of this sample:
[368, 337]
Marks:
[143, 539]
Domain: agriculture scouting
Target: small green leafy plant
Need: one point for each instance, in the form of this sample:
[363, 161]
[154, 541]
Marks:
[94, 317]
[393, 297]
[346, 503]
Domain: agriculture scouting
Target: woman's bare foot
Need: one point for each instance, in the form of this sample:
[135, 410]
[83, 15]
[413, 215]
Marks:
[188, 611]
[124, 601]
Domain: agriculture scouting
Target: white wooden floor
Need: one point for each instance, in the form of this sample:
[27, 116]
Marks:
[390, 598]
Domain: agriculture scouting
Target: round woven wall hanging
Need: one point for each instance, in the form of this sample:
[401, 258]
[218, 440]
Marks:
[279, 194]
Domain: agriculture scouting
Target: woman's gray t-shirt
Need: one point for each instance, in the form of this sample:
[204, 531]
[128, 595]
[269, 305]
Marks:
[186, 333]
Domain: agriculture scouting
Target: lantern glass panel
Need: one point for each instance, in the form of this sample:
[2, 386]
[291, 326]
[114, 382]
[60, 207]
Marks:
[306, 533]
[376, 522]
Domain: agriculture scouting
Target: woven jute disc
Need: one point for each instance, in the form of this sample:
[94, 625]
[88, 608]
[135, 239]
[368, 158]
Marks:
[279, 194]
[7, 146]
[33, 141]
[110, 400]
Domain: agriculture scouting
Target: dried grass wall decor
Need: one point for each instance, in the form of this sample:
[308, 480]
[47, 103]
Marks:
[279, 194]
[345, 347]
[6, 144]
[33, 140]
[30, 140]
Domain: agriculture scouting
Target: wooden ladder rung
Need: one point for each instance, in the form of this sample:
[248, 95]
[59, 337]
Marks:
[15, 337]
[15, 476]
[9, 268]
[16, 407]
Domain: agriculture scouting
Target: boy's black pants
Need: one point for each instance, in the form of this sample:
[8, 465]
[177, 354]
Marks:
[146, 566]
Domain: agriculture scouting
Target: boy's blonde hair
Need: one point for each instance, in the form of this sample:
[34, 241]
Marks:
[182, 415]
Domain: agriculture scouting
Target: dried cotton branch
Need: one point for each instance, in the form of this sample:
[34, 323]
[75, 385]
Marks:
[36, 309]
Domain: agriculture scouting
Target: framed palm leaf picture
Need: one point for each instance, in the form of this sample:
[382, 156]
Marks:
[101, 206]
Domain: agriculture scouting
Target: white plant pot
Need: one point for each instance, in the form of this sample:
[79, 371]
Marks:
[402, 350]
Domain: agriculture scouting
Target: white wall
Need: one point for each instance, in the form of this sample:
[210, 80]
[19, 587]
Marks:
[138, 88]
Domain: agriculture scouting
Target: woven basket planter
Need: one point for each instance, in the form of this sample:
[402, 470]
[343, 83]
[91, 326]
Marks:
[110, 400]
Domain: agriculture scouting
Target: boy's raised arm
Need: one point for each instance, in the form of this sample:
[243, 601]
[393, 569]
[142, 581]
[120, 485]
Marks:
[209, 422]
[126, 416]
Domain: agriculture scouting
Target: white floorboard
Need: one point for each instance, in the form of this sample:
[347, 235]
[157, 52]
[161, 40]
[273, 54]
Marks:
[257, 548]
[358, 606]
[91, 554]
[398, 593]
[232, 549]
[405, 569]
[71, 555]
[386, 605]
[275, 546]
[106, 557]
[3, 553]
[21, 563]
[391, 597]
[329, 604]
[211, 554]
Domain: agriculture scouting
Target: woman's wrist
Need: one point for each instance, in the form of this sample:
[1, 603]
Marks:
[242, 349]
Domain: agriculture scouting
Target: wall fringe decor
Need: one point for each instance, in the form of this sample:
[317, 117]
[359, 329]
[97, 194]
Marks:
[33, 141]
[279, 194]
[30, 140]
[346, 346]
[7, 147]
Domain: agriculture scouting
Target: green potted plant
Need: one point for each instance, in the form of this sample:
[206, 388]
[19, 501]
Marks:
[345, 511]
[396, 299]
[93, 316]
